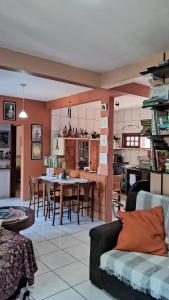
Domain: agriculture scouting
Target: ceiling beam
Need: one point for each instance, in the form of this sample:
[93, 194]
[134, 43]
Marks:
[16, 61]
[82, 98]
[133, 89]
[127, 73]
[98, 94]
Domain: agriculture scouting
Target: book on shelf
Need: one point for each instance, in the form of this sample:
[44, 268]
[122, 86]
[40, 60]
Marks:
[160, 122]
[161, 156]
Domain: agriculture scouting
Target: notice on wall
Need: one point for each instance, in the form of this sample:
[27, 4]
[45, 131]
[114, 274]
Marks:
[104, 122]
[103, 158]
[103, 140]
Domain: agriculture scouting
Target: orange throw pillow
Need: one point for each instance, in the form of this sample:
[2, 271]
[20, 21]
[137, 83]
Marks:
[142, 231]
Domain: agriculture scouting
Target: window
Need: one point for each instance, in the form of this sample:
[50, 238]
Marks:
[130, 140]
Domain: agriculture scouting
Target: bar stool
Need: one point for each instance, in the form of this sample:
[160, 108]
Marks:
[36, 193]
[84, 199]
[53, 201]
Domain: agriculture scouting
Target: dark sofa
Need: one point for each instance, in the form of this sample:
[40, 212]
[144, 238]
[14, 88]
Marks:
[104, 238]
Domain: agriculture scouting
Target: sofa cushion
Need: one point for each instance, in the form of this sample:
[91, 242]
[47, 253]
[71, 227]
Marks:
[142, 231]
[143, 272]
[146, 200]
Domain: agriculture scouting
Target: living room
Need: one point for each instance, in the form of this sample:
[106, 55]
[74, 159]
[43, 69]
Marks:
[79, 109]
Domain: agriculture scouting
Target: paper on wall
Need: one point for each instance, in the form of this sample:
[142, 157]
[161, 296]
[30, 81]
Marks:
[103, 158]
[104, 122]
[103, 140]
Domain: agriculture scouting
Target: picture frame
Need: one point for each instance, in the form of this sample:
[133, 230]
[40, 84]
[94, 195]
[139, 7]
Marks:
[36, 151]
[4, 139]
[36, 133]
[9, 110]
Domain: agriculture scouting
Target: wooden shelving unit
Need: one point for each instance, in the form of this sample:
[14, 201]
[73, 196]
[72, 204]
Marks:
[159, 178]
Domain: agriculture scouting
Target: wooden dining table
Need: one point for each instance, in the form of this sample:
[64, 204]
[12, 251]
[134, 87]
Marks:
[62, 183]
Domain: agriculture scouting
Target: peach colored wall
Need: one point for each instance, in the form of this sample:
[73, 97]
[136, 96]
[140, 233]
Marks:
[38, 114]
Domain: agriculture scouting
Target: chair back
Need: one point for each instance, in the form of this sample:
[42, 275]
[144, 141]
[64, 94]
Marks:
[51, 189]
[117, 179]
[34, 185]
[86, 189]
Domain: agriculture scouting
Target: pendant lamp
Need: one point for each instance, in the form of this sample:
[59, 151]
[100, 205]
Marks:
[23, 114]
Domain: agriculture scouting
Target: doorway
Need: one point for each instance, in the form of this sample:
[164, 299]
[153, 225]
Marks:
[18, 160]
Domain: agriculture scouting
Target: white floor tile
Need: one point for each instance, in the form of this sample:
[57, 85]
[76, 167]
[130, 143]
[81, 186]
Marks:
[57, 259]
[69, 294]
[52, 233]
[85, 261]
[71, 228]
[91, 292]
[82, 236]
[44, 247]
[79, 251]
[65, 241]
[90, 225]
[74, 273]
[47, 285]
[41, 226]
[35, 237]
[41, 268]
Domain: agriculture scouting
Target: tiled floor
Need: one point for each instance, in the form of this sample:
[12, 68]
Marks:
[62, 254]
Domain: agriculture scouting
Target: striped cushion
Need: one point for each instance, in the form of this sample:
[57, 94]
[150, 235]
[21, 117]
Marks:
[144, 272]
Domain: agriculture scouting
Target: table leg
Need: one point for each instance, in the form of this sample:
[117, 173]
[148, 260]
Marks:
[61, 203]
[44, 198]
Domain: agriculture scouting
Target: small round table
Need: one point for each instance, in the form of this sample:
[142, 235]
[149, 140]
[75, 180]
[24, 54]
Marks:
[18, 225]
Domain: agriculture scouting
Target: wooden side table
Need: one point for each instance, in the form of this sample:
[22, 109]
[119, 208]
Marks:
[18, 225]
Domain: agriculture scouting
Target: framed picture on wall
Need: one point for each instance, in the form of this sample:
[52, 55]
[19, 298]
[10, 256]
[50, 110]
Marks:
[9, 110]
[36, 133]
[36, 151]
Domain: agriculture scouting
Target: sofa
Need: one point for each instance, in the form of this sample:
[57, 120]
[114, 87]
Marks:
[118, 272]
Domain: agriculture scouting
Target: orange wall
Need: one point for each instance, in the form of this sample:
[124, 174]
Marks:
[38, 114]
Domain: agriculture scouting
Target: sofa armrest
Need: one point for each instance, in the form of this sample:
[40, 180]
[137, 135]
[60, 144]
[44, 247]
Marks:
[102, 239]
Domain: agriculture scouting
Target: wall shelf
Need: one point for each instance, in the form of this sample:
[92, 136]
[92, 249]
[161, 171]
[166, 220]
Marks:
[134, 149]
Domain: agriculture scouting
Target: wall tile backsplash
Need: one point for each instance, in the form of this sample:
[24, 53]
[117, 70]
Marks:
[85, 116]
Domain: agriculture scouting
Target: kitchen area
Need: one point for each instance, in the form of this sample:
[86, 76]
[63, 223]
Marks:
[75, 140]
[132, 147]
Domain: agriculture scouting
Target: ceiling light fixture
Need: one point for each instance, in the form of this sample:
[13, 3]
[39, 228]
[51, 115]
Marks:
[23, 114]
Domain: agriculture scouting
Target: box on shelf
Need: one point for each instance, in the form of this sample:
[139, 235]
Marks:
[160, 91]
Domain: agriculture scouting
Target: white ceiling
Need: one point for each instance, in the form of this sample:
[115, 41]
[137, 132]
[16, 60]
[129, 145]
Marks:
[92, 34]
[37, 88]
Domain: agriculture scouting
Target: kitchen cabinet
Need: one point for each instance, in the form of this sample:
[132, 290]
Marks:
[94, 155]
[77, 150]
[70, 153]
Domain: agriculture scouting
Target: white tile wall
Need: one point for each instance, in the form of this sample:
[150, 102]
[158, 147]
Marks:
[127, 117]
[86, 116]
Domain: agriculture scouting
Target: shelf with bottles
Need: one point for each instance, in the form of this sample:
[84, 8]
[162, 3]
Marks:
[53, 161]
[81, 134]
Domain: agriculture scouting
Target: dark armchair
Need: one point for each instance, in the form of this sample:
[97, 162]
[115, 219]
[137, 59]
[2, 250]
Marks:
[104, 238]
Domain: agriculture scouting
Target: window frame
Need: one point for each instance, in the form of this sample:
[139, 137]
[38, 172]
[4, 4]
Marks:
[124, 140]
